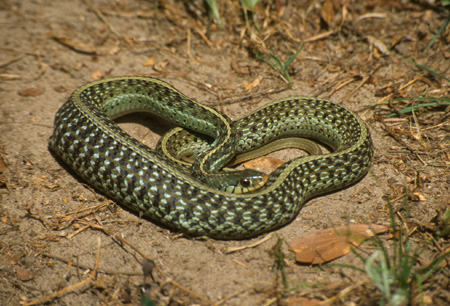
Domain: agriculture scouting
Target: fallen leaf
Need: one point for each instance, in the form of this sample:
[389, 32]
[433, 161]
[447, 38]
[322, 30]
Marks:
[23, 274]
[323, 246]
[97, 75]
[161, 66]
[149, 62]
[100, 283]
[14, 259]
[327, 11]
[250, 86]
[378, 44]
[264, 164]
[2, 165]
[114, 50]
[31, 92]
[418, 196]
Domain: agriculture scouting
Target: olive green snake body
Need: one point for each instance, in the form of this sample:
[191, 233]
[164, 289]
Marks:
[86, 138]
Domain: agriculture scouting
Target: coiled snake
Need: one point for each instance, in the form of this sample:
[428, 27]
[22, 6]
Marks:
[88, 141]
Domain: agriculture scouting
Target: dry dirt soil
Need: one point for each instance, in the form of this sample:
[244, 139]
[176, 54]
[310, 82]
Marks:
[54, 227]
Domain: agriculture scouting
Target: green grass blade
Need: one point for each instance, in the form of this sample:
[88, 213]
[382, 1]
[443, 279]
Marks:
[349, 266]
[427, 69]
[293, 56]
[378, 271]
[433, 266]
[385, 102]
[446, 22]
[276, 60]
[249, 4]
[410, 109]
[214, 12]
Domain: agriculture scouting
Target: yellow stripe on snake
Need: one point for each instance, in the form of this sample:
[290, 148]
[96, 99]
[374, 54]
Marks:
[86, 138]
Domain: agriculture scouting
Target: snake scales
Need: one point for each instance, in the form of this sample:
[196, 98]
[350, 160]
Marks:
[88, 141]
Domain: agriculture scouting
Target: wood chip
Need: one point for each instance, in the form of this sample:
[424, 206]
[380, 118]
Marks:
[31, 92]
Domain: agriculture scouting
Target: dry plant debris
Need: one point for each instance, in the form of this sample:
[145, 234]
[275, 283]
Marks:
[326, 245]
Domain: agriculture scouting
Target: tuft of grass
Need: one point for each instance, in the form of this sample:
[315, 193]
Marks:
[279, 256]
[445, 222]
[446, 22]
[425, 68]
[249, 5]
[396, 273]
[214, 14]
[278, 65]
[429, 102]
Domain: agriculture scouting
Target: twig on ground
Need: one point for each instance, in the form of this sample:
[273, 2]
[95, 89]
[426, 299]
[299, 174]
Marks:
[104, 20]
[11, 61]
[344, 292]
[190, 292]
[235, 249]
[392, 134]
[83, 266]
[73, 287]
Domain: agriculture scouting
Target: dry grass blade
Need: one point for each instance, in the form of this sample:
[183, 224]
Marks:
[74, 286]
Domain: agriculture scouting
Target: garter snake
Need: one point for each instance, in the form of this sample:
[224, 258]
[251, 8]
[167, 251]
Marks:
[183, 147]
[86, 138]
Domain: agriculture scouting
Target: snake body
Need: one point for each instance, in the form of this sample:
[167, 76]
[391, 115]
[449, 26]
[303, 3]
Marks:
[87, 139]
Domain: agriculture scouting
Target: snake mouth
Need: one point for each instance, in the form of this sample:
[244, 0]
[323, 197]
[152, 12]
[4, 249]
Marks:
[262, 181]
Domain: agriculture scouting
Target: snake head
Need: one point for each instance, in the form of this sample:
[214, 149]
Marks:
[244, 181]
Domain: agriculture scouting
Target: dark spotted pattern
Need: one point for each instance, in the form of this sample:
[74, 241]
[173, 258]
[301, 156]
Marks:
[88, 141]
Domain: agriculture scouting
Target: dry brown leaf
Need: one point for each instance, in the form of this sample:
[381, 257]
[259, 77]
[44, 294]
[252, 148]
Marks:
[23, 274]
[161, 66]
[264, 164]
[2, 165]
[419, 196]
[327, 11]
[31, 92]
[114, 50]
[149, 62]
[250, 86]
[97, 75]
[378, 44]
[323, 246]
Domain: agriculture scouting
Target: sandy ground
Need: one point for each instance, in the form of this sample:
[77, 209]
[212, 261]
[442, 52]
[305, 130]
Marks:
[52, 222]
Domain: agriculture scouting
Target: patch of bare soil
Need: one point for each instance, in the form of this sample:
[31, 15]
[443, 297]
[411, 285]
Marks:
[65, 244]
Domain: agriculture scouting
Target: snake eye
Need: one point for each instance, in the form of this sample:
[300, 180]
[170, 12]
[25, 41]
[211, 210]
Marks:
[245, 182]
